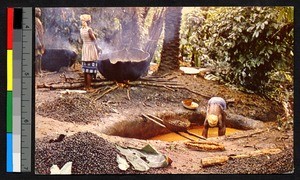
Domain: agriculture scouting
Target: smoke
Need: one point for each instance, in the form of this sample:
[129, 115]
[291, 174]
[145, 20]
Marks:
[105, 47]
[55, 42]
[62, 27]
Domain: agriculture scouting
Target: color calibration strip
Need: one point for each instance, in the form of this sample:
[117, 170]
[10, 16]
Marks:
[9, 105]
[19, 90]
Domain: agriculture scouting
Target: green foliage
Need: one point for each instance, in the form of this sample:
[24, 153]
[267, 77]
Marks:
[248, 40]
[191, 36]
[251, 47]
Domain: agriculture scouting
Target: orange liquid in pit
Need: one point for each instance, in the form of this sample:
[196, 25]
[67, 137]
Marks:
[212, 132]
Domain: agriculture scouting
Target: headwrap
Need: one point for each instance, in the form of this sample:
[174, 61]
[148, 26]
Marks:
[37, 10]
[212, 120]
[85, 17]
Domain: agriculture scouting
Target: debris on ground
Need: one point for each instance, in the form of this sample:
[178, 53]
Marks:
[143, 159]
[66, 169]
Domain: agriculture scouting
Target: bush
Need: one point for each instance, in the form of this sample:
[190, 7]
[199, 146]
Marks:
[250, 47]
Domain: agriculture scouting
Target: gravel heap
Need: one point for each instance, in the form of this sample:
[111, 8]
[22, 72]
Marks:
[71, 108]
[89, 153]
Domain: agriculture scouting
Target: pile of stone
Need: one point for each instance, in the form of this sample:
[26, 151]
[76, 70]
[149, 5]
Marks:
[71, 108]
[89, 154]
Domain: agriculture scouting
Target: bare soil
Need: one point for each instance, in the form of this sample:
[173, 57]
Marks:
[119, 113]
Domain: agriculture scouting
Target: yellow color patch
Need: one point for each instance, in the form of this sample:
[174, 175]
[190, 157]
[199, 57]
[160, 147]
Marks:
[9, 70]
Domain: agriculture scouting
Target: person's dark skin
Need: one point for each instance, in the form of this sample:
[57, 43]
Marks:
[215, 109]
[91, 34]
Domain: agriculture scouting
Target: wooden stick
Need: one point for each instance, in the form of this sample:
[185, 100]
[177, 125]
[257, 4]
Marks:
[170, 78]
[149, 118]
[102, 83]
[154, 117]
[64, 85]
[166, 87]
[153, 84]
[257, 153]
[128, 93]
[245, 135]
[170, 83]
[196, 135]
[205, 146]
[184, 136]
[211, 161]
[49, 84]
[71, 85]
[164, 75]
[156, 80]
[194, 92]
[107, 91]
[97, 90]
[95, 93]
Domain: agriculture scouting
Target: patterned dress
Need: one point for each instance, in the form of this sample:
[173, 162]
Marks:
[89, 52]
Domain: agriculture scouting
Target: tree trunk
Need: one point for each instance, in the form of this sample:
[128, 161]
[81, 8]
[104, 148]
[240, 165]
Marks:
[131, 35]
[144, 13]
[170, 51]
[155, 31]
[137, 25]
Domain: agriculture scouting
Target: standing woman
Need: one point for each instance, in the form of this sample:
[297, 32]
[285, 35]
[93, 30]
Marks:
[39, 41]
[89, 51]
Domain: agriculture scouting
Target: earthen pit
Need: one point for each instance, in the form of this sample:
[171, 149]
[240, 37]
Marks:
[142, 128]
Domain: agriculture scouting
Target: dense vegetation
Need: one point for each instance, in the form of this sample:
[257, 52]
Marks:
[248, 46]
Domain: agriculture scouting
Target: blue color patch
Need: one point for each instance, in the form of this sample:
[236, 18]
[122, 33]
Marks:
[9, 153]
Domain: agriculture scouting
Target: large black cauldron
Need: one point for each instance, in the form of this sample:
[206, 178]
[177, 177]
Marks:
[54, 59]
[124, 65]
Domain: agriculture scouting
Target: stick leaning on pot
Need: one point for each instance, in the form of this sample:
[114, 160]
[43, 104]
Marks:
[172, 127]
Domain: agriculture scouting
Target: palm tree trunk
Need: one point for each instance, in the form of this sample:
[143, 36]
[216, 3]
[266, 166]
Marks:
[170, 51]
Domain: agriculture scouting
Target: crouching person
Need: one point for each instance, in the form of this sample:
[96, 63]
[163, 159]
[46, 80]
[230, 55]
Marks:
[215, 116]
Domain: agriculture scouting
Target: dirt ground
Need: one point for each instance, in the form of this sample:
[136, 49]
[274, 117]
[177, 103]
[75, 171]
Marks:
[68, 114]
